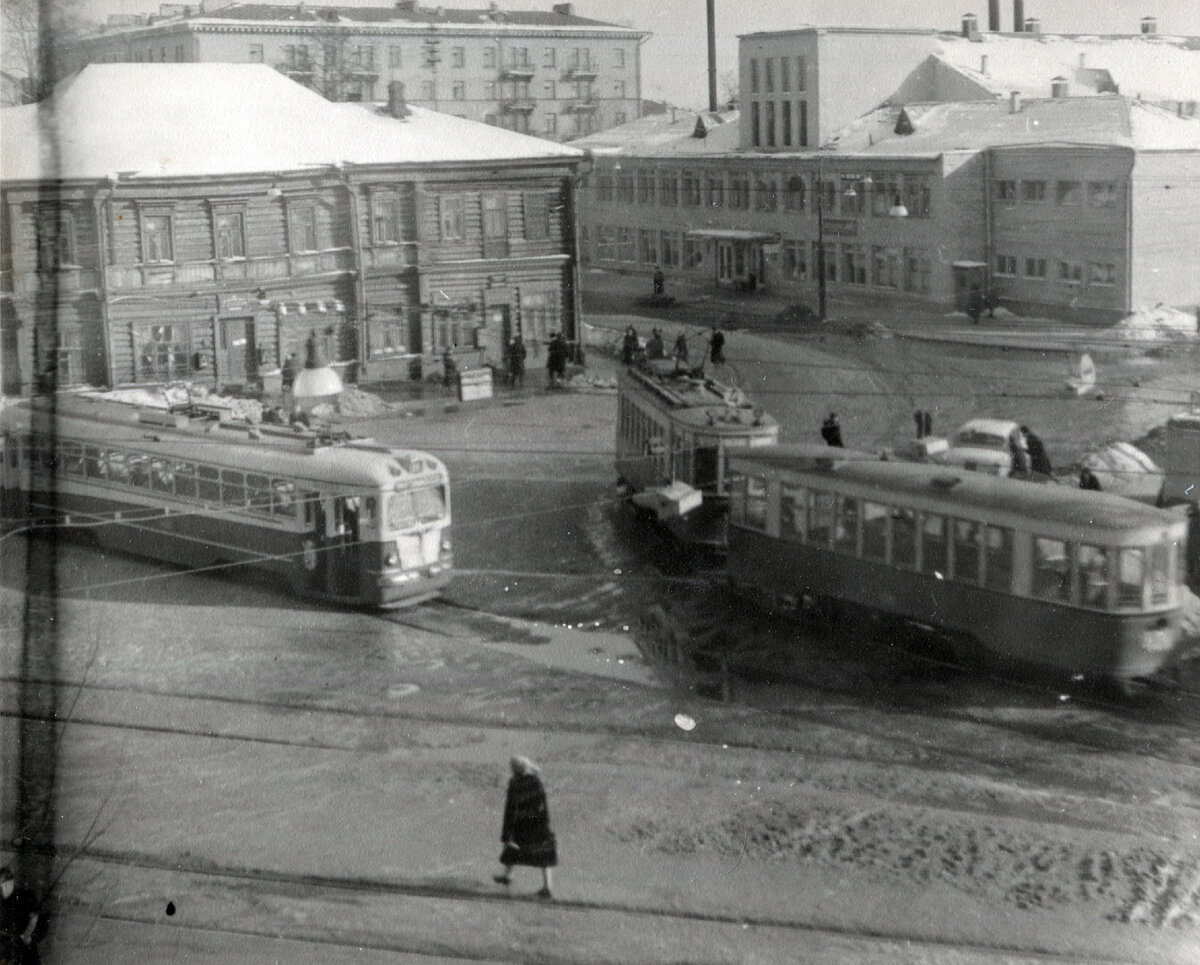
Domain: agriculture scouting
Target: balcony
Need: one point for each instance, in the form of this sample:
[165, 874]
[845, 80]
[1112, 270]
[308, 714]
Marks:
[298, 70]
[581, 105]
[202, 274]
[585, 72]
[518, 105]
[517, 72]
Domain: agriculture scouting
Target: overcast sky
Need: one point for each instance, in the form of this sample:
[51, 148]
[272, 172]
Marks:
[673, 64]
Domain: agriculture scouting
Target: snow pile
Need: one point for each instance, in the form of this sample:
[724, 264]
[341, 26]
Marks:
[356, 403]
[1158, 323]
[1124, 469]
[179, 394]
[592, 381]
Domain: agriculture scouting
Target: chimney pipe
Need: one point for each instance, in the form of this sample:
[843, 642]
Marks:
[983, 65]
[1014, 102]
[712, 55]
[994, 16]
[397, 106]
[1059, 87]
[970, 26]
[1018, 15]
[1033, 26]
[1149, 25]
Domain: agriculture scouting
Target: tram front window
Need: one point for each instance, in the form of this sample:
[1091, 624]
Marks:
[410, 506]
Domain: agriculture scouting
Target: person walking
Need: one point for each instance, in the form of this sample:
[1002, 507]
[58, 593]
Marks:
[716, 346]
[660, 280]
[1020, 453]
[1039, 461]
[556, 360]
[681, 349]
[975, 304]
[525, 831]
[19, 919]
[516, 362]
[629, 345]
[655, 349]
[831, 431]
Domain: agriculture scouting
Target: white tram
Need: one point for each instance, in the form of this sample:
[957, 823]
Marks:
[351, 522]
[1049, 576]
[675, 433]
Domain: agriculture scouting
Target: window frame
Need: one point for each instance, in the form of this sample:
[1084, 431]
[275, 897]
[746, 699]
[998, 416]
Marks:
[167, 216]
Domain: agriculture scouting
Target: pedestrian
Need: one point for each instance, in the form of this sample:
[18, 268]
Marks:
[831, 430]
[629, 345]
[516, 361]
[556, 360]
[975, 304]
[681, 350]
[716, 344]
[655, 349]
[1019, 452]
[1039, 461]
[291, 367]
[1088, 480]
[660, 280]
[19, 918]
[449, 367]
[525, 832]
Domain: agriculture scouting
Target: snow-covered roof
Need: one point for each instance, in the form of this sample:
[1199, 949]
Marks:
[974, 125]
[1154, 67]
[187, 120]
[664, 134]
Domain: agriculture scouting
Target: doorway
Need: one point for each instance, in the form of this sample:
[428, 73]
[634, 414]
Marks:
[237, 354]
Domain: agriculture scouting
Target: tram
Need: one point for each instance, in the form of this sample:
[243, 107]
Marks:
[346, 521]
[675, 434]
[1082, 582]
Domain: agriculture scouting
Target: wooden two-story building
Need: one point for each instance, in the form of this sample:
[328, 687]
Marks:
[199, 221]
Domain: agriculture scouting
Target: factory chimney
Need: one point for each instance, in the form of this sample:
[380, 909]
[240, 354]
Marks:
[1149, 25]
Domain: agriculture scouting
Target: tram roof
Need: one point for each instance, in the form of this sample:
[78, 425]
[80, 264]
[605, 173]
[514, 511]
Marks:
[230, 445]
[950, 487]
[702, 402]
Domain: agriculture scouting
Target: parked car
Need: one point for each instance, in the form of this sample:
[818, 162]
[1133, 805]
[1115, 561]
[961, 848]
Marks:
[982, 445]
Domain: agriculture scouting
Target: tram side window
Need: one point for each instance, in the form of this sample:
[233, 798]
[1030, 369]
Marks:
[1160, 574]
[283, 502]
[114, 462]
[793, 512]
[1091, 572]
[162, 476]
[874, 531]
[706, 466]
[71, 460]
[967, 545]
[756, 502]
[845, 536]
[233, 488]
[208, 483]
[998, 558]
[737, 498]
[904, 539]
[258, 493]
[139, 469]
[93, 462]
[1131, 577]
[822, 518]
[185, 480]
[933, 544]
[1051, 569]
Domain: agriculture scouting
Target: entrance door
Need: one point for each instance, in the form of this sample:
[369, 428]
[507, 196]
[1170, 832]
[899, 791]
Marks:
[725, 268]
[500, 333]
[968, 275]
[237, 355]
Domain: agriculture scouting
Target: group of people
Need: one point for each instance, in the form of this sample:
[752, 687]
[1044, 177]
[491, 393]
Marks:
[1028, 453]
[655, 348]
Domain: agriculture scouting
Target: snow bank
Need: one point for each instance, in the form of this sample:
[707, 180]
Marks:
[1125, 470]
[1158, 323]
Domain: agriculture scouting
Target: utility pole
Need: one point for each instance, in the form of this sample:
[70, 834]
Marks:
[712, 55]
[820, 239]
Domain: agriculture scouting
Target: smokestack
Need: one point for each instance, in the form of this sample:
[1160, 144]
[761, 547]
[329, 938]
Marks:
[1018, 15]
[970, 26]
[1149, 25]
[994, 16]
[712, 55]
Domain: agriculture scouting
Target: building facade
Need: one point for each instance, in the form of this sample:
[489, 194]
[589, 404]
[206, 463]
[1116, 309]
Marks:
[553, 74]
[422, 234]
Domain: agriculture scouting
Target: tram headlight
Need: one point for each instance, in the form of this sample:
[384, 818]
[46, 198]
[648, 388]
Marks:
[445, 544]
[391, 559]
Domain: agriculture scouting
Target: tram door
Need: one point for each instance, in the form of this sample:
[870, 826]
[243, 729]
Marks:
[345, 548]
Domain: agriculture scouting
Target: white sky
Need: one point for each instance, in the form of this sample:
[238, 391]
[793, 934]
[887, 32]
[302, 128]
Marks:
[674, 64]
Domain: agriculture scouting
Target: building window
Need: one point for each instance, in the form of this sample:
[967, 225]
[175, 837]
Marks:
[164, 353]
[1069, 192]
[1035, 267]
[458, 56]
[551, 127]
[885, 267]
[489, 56]
[669, 193]
[785, 122]
[755, 124]
[795, 260]
[231, 235]
[916, 271]
[1005, 191]
[56, 238]
[802, 123]
[917, 196]
[691, 189]
[1070, 272]
[548, 57]
[854, 265]
[693, 253]
[363, 57]
[256, 54]
[785, 74]
[604, 187]
[753, 76]
[770, 110]
[1102, 194]
[157, 245]
[801, 74]
[385, 220]
[452, 209]
[518, 57]
[619, 89]
[1006, 265]
[645, 187]
[625, 189]
[302, 227]
[179, 53]
[764, 195]
[671, 250]
[458, 90]
[619, 57]
[793, 195]
[648, 247]
[537, 216]
[548, 91]
[489, 119]
[739, 193]
[769, 75]
[394, 57]
[581, 58]
[1033, 192]
[495, 226]
[1101, 273]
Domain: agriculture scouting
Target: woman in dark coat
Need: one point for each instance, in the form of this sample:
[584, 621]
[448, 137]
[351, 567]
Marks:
[526, 833]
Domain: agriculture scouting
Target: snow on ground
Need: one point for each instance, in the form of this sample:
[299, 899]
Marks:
[1124, 469]
[1159, 322]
